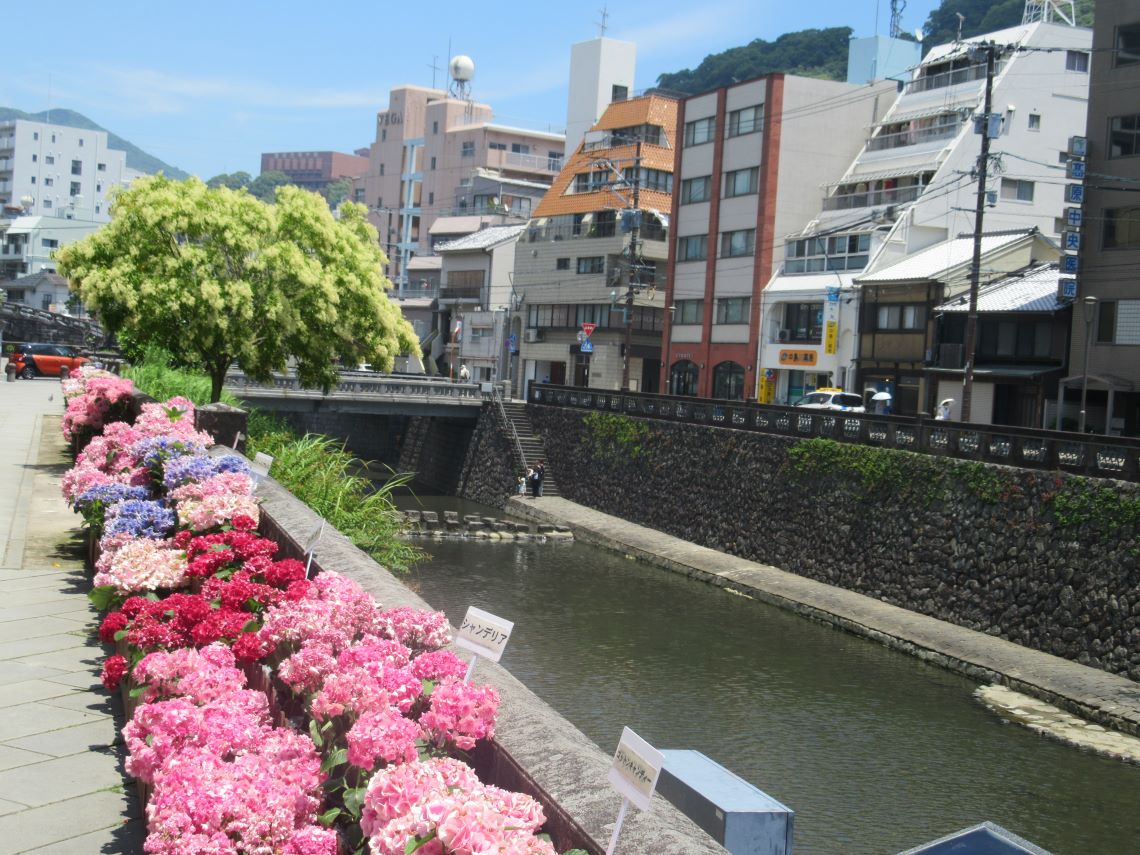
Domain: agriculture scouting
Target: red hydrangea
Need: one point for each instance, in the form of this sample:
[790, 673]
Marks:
[112, 623]
[114, 669]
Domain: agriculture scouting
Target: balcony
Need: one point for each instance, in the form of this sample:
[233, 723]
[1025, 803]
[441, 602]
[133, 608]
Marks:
[873, 198]
[949, 78]
[471, 293]
[901, 139]
[498, 159]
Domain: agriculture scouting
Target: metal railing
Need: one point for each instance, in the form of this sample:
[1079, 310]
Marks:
[869, 198]
[914, 136]
[1094, 456]
[365, 383]
[949, 78]
[497, 397]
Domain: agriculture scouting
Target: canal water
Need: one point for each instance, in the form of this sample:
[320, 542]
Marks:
[874, 750]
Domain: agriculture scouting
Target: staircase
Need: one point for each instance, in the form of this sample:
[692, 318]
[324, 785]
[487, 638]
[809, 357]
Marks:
[530, 444]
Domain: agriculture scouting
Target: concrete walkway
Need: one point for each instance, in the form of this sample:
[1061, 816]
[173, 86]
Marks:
[1087, 692]
[62, 788]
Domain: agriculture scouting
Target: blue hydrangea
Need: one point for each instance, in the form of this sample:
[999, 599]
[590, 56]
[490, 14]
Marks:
[154, 452]
[187, 469]
[108, 494]
[140, 518]
[231, 463]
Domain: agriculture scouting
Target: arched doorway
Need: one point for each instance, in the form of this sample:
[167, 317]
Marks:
[683, 378]
[728, 381]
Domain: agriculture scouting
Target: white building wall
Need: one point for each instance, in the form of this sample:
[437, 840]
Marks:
[596, 66]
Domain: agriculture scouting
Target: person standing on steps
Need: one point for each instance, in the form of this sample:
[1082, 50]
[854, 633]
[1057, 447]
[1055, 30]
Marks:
[539, 477]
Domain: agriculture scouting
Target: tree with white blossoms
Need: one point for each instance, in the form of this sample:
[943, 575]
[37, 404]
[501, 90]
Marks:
[217, 277]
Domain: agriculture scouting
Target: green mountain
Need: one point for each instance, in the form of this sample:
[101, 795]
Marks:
[136, 157]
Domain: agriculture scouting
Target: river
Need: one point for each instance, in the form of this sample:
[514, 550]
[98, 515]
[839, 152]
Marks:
[874, 750]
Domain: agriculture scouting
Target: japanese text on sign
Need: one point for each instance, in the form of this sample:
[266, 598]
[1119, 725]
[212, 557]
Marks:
[831, 337]
[797, 357]
[635, 768]
[484, 634]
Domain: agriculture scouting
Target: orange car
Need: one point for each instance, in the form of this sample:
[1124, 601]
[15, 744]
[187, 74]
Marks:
[44, 360]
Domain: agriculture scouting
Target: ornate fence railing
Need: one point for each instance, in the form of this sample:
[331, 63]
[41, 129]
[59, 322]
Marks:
[1095, 456]
[364, 383]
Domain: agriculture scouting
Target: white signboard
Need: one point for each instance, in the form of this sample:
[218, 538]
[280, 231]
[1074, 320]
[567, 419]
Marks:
[635, 769]
[310, 545]
[484, 634]
[260, 467]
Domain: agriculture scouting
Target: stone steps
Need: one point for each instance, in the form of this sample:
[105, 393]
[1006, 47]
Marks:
[532, 445]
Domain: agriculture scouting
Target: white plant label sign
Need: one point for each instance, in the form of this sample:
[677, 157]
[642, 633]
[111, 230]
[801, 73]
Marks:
[484, 634]
[259, 469]
[311, 545]
[635, 769]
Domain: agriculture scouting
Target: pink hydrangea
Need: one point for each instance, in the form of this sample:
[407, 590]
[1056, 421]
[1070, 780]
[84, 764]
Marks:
[418, 629]
[224, 484]
[199, 676]
[173, 418]
[143, 564]
[333, 610]
[365, 689]
[216, 510]
[311, 840]
[305, 671]
[437, 665]
[89, 404]
[382, 735]
[460, 714]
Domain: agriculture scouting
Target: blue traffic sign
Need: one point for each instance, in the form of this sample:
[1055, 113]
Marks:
[587, 346]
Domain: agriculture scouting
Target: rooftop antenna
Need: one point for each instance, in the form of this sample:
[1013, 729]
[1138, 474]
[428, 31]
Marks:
[601, 25]
[461, 68]
[1050, 11]
[435, 69]
[961, 21]
[897, 7]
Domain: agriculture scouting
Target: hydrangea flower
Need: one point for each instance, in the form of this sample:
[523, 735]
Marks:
[140, 518]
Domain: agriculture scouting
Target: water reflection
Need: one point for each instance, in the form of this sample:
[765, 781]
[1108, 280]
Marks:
[874, 750]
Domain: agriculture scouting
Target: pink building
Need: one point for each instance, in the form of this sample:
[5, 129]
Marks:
[314, 170]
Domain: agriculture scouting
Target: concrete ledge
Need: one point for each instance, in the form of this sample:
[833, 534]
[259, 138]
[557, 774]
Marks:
[1090, 693]
[550, 752]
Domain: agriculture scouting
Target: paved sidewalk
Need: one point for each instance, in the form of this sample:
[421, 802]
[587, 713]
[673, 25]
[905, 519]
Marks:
[62, 788]
[1090, 693]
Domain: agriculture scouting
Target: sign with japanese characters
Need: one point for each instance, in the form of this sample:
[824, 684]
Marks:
[1069, 263]
[831, 337]
[1075, 169]
[1074, 217]
[1078, 146]
[797, 357]
[1075, 193]
[484, 634]
[1067, 289]
[635, 769]
[1071, 241]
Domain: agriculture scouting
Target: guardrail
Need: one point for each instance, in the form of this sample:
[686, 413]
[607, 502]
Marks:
[357, 383]
[1098, 457]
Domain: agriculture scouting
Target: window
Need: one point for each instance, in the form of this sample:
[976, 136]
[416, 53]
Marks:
[1128, 44]
[98, 208]
[47, 203]
[1122, 228]
[468, 149]
[700, 131]
[733, 310]
[1124, 136]
[689, 312]
[35, 135]
[1013, 188]
[520, 148]
[803, 322]
[77, 167]
[592, 264]
[35, 157]
[53, 137]
[1118, 322]
[737, 243]
[562, 264]
[101, 167]
[497, 146]
[695, 190]
[48, 182]
[1077, 60]
[900, 317]
[745, 121]
[619, 93]
[1034, 121]
[837, 252]
[741, 182]
[49, 243]
[49, 159]
[81, 142]
[431, 198]
[381, 169]
[383, 134]
[75, 189]
[98, 187]
[693, 248]
[435, 127]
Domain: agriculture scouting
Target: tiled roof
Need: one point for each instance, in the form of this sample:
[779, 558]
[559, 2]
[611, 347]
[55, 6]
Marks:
[650, 109]
[934, 261]
[484, 239]
[1031, 290]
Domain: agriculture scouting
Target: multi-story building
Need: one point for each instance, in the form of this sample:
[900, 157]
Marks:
[57, 171]
[27, 244]
[573, 265]
[911, 186]
[314, 170]
[749, 162]
[428, 147]
[601, 72]
[1106, 328]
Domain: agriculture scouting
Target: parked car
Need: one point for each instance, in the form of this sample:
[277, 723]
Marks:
[44, 360]
[832, 399]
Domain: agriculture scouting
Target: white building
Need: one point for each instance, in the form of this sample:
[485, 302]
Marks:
[58, 171]
[27, 243]
[911, 187]
[601, 72]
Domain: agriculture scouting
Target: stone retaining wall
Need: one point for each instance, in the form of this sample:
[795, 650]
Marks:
[490, 471]
[980, 546]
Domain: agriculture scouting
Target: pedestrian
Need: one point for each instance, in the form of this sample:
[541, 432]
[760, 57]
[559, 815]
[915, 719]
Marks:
[944, 410]
[539, 477]
[529, 481]
[522, 485]
[464, 374]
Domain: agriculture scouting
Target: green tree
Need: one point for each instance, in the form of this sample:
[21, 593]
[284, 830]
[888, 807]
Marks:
[235, 180]
[337, 191]
[984, 16]
[264, 186]
[217, 277]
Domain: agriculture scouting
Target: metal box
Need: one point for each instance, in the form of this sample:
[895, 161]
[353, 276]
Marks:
[984, 839]
[740, 817]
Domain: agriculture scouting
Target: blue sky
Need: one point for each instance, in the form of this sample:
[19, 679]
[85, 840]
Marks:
[208, 86]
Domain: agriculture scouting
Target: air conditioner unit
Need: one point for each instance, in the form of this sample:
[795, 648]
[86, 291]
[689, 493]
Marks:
[784, 335]
[532, 334]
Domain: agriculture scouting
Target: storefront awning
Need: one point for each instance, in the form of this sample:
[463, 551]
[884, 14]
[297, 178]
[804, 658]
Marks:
[806, 284]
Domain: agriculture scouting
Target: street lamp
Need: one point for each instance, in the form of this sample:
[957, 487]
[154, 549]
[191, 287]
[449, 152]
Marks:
[1090, 319]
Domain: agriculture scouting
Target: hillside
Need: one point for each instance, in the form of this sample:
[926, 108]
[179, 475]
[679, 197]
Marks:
[136, 157]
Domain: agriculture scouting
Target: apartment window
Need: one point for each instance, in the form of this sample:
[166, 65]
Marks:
[75, 190]
[1122, 228]
[98, 208]
[48, 182]
[592, 264]
[1128, 44]
[468, 149]
[619, 93]
[803, 322]
[562, 264]
[431, 198]
[689, 312]
[693, 248]
[837, 252]
[49, 159]
[47, 203]
[520, 148]
[98, 188]
[1016, 189]
[383, 135]
[53, 137]
[899, 317]
[745, 121]
[737, 243]
[101, 167]
[1077, 60]
[1034, 121]
[77, 167]
[381, 169]
[35, 135]
[50, 243]
[1124, 136]
[700, 131]
[35, 157]
[733, 310]
[741, 182]
[433, 162]
[695, 189]
[435, 127]
[81, 142]
[1118, 322]
[497, 146]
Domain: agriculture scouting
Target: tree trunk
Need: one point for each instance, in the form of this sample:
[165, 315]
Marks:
[217, 378]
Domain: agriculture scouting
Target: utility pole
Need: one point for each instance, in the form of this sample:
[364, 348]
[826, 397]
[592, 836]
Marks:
[634, 265]
[979, 213]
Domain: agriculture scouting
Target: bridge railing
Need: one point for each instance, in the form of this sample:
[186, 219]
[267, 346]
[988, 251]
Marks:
[367, 383]
[1095, 456]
